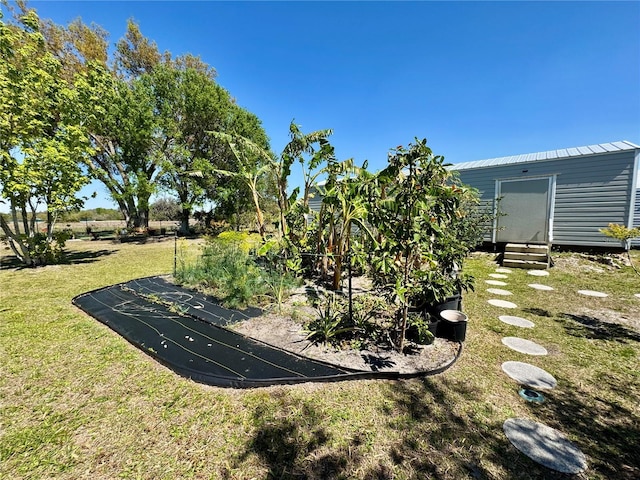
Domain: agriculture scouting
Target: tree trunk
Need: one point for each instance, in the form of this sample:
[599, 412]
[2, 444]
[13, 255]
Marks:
[259, 216]
[184, 221]
[20, 250]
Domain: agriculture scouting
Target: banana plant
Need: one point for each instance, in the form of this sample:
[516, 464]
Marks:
[249, 172]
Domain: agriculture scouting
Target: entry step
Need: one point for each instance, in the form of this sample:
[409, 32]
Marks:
[527, 248]
[526, 255]
[525, 264]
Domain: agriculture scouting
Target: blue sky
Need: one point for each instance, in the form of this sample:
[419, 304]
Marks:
[477, 79]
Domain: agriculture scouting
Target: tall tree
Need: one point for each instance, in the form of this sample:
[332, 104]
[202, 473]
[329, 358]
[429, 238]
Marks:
[75, 45]
[190, 106]
[135, 53]
[299, 146]
[40, 140]
[120, 120]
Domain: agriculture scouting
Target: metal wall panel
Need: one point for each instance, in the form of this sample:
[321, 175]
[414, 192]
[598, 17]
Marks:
[591, 192]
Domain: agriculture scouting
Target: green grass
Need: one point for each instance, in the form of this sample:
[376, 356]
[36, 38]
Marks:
[78, 401]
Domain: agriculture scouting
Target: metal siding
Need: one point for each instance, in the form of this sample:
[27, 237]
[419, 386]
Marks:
[315, 202]
[591, 192]
[636, 218]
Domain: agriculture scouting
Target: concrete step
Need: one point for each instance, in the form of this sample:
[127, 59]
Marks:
[536, 257]
[530, 264]
[526, 248]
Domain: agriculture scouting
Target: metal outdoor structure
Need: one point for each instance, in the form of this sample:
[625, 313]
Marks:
[559, 197]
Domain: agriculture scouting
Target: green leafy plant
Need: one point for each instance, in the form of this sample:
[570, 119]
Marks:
[279, 287]
[331, 322]
[419, 327]
[624, 234]
[420, 246]
[227, 271]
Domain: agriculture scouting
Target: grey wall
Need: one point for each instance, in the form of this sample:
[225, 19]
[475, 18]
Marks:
[591, 192]
[636, 218]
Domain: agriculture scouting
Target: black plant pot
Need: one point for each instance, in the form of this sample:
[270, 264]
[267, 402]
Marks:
[453, 302]
[453, 325]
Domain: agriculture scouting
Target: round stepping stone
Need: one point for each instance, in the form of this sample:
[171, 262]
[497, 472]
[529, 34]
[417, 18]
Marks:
[539, 286]
[503, 270]
[529, 375]
[498, 291]
[592, 293]
[502, 303]
[538, 273]
[497, 275]
[635, 294]
[524, 346]
[516, 321]
[497, 282]
[545, 445]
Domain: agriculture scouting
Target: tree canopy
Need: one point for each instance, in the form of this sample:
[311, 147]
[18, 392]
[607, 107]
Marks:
[140, 122]
[41, 139]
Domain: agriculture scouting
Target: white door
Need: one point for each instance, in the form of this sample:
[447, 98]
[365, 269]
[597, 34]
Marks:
[524, 210]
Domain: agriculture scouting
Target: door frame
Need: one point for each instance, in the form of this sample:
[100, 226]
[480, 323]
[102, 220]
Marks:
[551, 202]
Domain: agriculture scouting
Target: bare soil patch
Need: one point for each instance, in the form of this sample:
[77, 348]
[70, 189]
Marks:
[282, 331]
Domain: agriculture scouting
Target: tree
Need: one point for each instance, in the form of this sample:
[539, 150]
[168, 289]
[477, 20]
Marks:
[136, 54]
[250, 173]
[75, 46]
[40, 140]
[344, 206]
[165, 209]
[419, 252]
[119, 118]
[190, 106]
[300, 145]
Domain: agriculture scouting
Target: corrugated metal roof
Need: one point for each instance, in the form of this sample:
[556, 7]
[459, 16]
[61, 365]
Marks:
[550, 155]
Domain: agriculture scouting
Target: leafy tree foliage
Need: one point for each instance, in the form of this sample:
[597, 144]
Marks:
[419, 249]
[166, 209]
[190, 106]
[119, 118]
[40, 140]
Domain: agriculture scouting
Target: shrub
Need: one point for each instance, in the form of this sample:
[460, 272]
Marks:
[246, 242]
[226, 269]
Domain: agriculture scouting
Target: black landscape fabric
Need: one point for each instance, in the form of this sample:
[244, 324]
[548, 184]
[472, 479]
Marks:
[194, 343]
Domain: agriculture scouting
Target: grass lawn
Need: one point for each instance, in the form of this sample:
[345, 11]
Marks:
[78, 401]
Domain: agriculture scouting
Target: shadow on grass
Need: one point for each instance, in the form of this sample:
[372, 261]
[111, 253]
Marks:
[290, 440]
[605, 431]
[443, 441]
[70, 258]
[538, 311]
[584, 326]
[420, 431]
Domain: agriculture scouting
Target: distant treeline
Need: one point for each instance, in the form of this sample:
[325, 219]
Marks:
[91, 215]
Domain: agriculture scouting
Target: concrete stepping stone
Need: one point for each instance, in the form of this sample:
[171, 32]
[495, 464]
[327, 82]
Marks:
[524, 346]
[538, 273]
[497, 283]
[545, 445]
[539, 286]
[502, 303]
[503, 270]
[592, 293]
[516, 321]
[529, 375]
[635, 294]
[499, 291]
[498, 275]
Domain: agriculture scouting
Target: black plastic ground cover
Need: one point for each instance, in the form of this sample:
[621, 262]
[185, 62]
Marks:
[191, 302]
[194, 343]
